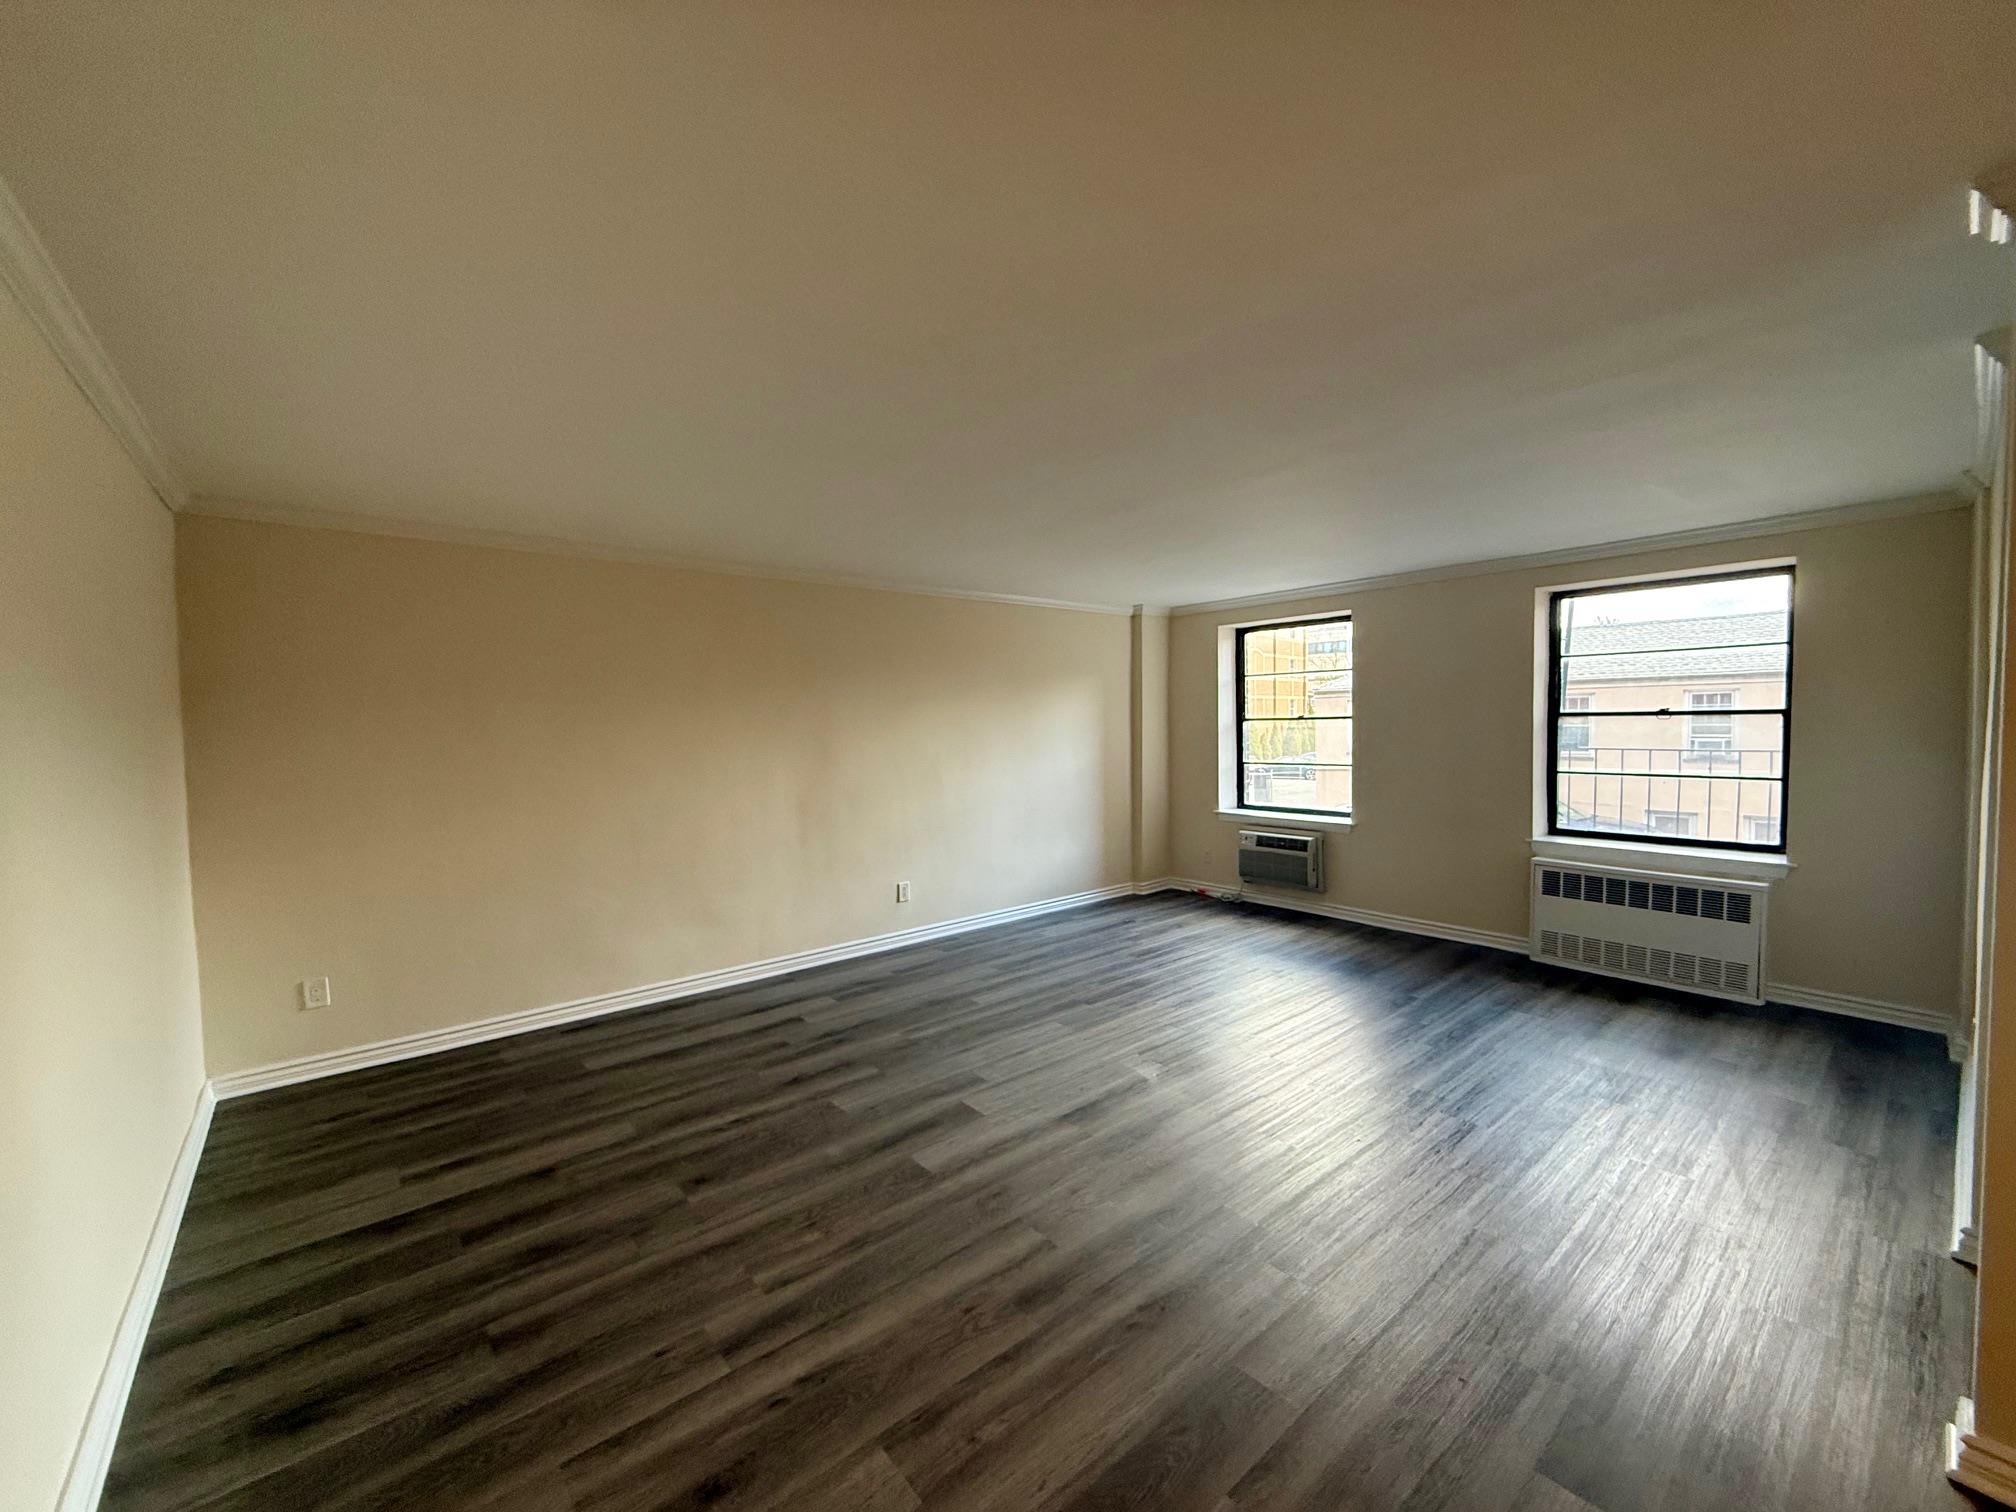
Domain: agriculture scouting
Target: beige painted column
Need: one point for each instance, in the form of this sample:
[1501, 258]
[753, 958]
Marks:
[1150, 732]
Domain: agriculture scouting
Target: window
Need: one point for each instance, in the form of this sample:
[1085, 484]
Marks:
[1669, 710]
[1710, 735]
[1574, 731]
[1331, 643]
[1294, 716]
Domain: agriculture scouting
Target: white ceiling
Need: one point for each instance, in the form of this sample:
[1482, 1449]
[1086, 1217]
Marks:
[1108, 302]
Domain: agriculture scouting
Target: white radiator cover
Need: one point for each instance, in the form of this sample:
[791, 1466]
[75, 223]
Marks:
[1699, 934]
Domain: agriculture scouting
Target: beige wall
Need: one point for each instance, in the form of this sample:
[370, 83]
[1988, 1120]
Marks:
[1445, 680]
[461, 781]
[101, 1055]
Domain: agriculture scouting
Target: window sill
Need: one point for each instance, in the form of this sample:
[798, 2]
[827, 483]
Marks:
[1686, 860]
[1284, 816]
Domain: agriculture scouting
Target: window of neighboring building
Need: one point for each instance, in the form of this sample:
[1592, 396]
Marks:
[1712, 733]
[1574, 729]
[1669, 705]
[1295, 716]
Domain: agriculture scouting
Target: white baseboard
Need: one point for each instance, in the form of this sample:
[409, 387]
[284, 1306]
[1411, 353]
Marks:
[1904, 1015]
[1979, 1464]
[93, 1457]
[1461, 933]
[525, 1021]
[84, 1485]
[1901, 1014]
[1967, 1245]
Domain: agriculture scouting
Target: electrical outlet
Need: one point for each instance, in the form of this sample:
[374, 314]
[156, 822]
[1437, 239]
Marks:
[1207, 858]
[314, 993]
[902, 892]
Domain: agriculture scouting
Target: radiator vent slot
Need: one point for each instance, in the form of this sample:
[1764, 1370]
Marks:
[1669, 967]
[1702, 936]
[1731, 904]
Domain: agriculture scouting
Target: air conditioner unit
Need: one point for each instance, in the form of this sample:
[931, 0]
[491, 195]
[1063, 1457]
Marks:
[1281, 858]
[1675, 931]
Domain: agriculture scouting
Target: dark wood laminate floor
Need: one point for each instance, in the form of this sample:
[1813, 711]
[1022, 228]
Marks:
[1163, 1204]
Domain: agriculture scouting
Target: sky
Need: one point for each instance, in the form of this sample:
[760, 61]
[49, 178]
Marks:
[1686, 601]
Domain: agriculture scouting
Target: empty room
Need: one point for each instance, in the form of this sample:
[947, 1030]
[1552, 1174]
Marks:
[850, 755]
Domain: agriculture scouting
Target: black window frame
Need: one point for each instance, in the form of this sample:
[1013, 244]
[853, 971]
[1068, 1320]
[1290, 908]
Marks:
[1552, 751]
[1239, 635]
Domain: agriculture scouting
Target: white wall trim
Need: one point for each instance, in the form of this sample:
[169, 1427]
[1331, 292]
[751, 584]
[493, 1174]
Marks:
[544, 545]
[85, 1483]
[527, 1020]
[1696, 862]
[1460, 933]
[27, 271]
[1284, 819]
[1904, 1015]
[1740, 530]
[1979, 1464]
[1967, 1245]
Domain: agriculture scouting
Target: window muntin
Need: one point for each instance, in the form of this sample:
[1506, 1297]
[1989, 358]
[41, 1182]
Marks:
[1295, 716]
[1671, 699]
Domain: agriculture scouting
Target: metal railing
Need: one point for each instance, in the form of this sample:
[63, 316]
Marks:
[1766, 762]
[1709, 795]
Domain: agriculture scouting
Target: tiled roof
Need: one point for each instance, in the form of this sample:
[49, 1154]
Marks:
[1591, 634]
[1725, 632]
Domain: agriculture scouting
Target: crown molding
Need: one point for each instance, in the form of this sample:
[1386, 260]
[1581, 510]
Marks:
[505, 540]
[1767, 525]
[28, 272]
[1959, 497]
